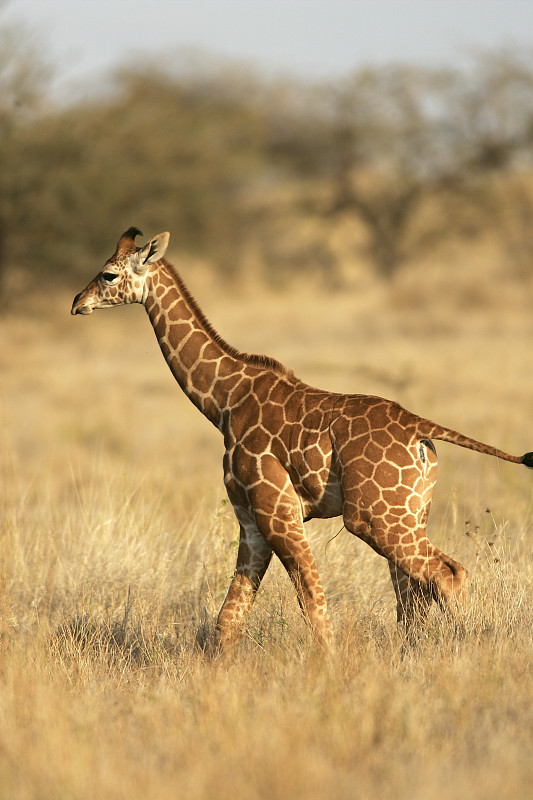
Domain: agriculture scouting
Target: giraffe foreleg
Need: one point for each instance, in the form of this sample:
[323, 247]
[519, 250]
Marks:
[297, 558]
[253, 558]
[278, 516]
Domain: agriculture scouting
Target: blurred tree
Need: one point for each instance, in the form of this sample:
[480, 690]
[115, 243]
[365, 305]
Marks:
[231, 162]
[157, 152]
[402, 137]
[390, 157]
[24, 77]
[491, 130]
[491, 112]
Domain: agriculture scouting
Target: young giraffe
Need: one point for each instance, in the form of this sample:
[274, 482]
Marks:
[294, 452]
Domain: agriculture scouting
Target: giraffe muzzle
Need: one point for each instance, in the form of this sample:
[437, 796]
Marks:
[81, 307]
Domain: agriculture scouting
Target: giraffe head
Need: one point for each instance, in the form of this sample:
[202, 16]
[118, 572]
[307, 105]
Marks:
[123, 277]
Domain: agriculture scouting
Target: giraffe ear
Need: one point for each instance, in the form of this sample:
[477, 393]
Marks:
[153, 251]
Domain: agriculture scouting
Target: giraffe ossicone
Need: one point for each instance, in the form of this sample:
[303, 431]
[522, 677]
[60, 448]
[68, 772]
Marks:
[294, 452]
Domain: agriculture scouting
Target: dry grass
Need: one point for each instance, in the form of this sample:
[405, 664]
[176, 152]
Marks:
[117, 547]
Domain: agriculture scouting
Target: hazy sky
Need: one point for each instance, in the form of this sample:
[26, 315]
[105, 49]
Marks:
[84, 38]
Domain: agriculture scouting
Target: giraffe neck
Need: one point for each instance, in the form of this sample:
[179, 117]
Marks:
[205, 366]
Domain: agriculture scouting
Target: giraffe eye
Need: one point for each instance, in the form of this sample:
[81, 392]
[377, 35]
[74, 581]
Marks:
[109, 277]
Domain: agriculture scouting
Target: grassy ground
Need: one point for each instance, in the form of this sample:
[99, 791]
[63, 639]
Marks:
[117, 546]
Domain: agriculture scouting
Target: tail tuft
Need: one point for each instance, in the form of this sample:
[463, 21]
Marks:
[527, 459]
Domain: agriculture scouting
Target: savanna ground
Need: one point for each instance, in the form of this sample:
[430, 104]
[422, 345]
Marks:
[117, 547]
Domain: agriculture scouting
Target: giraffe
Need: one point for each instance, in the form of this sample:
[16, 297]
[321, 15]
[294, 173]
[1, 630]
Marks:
[294, 452]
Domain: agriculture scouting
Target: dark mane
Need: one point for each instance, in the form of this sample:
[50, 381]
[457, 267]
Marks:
[265, 362]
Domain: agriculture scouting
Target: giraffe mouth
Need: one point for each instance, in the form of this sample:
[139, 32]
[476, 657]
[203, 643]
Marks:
[80, 307]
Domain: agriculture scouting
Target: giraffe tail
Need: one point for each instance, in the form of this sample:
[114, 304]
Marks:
[430, 430]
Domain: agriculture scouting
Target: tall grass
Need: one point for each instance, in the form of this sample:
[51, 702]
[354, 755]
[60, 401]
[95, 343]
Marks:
[117, 547]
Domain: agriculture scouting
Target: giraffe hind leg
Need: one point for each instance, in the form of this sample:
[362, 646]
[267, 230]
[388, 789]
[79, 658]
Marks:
[413, 600]
[389, 511]
[423, 572]
[450, 584]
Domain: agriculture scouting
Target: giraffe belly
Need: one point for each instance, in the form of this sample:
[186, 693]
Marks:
[320, 501]
[314, 477]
